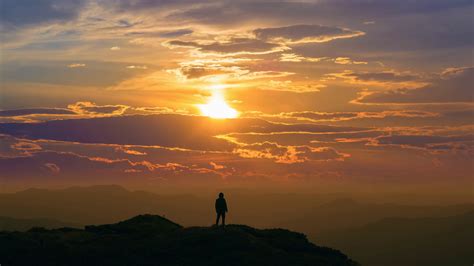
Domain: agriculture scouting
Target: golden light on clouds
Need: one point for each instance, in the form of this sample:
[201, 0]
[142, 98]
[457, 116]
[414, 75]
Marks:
[170, 66]
[217, 107]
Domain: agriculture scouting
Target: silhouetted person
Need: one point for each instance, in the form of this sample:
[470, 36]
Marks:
[221, 209]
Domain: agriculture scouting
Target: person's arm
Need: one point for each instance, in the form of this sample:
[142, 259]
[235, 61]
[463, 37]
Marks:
[225, 205]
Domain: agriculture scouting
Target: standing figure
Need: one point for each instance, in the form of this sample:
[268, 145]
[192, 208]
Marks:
[221, 209]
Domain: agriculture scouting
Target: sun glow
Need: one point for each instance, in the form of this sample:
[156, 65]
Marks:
[217, 107]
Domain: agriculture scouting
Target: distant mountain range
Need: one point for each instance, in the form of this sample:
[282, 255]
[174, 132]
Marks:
[154, 240]
[372, 233]
[409, 242]
[15, 224]
[89, 205]
[311, 214]
[343, 214]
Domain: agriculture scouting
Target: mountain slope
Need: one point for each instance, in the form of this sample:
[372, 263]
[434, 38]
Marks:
[400, 241]
[153, 240]
[333, 215]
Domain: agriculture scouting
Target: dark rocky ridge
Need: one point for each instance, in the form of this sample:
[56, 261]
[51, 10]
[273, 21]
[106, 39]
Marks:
[154, 240]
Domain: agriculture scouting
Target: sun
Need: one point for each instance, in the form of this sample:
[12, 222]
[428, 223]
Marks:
[217, 107]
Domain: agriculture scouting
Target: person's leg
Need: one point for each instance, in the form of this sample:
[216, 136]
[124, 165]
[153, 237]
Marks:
[217, 219]
[223, 219]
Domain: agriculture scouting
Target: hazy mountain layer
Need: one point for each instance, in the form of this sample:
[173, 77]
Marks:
[410, 242]
[15, 224]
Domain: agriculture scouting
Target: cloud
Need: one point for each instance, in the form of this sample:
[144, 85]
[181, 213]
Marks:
[137, 67]
[162, 130]
[166, 130]
[291, 57]
[375, 77]
[344, 116]
[54, 168]
[217, 166]
[221, 66]
[211, 72]
[78, 110]
[97, 74]
[45, 166]
[126, 150]
[431, 143]
[153, 110]
[299, 138]
[200, 71]
[35, 111]
[421, 140]
[454, 85]
[123, 23]
[13, 147]
[153, 36]
[212, 34]
[142, 5]
[101, 161]
[348, 61]
[76, 65]
[175, 33]
[265, 74]
[237, 12]
[34, 12]
[16, 147]
[25, 147]
[296, 34]
[288, 154]
[232, 46]
[90, 108]
[290, 86]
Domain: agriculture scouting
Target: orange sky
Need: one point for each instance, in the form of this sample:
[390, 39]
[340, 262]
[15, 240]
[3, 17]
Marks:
[236, 92]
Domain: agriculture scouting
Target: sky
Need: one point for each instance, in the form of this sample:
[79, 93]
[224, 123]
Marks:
[236, 93]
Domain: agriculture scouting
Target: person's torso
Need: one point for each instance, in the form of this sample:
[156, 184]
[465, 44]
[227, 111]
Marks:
[220, 204]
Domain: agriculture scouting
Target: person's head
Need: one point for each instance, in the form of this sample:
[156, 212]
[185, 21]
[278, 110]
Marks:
[221, 195]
